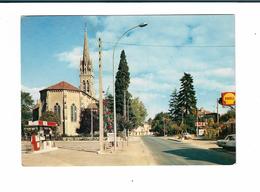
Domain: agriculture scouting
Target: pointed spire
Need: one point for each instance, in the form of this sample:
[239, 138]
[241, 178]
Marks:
[85, 48]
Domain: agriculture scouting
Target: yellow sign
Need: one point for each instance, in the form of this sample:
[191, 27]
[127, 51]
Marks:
[228, 98]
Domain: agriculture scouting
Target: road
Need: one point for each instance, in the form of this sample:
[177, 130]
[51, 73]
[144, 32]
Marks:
[169, 152]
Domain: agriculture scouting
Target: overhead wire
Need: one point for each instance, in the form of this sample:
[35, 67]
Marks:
[177, 46]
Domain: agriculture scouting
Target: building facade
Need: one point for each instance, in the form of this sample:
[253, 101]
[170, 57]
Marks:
[66, 100]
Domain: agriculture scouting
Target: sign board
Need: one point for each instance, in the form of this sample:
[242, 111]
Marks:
[200, 124]
[201, 132]
[228, 98]
[110, 137]
[42, 123]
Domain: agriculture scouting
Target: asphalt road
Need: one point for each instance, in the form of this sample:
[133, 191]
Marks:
[168, 152]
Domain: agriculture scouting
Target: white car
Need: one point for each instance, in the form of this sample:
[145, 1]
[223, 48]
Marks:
[228, 142]
[186, 135]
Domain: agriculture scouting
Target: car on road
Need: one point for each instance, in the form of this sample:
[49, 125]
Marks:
[186, 135]
[229, 142]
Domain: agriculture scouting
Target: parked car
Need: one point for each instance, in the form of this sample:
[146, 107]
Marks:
[228, 142]
[186, 135]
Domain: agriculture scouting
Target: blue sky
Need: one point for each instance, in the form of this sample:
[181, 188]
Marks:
[157, 55]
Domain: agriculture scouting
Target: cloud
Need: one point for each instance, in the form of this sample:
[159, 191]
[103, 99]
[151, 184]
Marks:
[210, 85]
[222, 72]
[155, 70]
[72, 58]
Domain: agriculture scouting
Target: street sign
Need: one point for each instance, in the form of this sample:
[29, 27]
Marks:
[200, 124]
[201, 132]
[228, 98]
[110, 137]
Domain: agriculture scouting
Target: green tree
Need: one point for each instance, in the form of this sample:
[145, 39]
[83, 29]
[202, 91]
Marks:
[230, 114]
[174, 111]
[186, 100]
[49, 116]
[162, 122]
[139, 112]
[85, 121]
[122, 84]
[26, 108]
[109, 101]
[149, 121]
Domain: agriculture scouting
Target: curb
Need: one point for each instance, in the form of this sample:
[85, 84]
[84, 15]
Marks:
[177, 140]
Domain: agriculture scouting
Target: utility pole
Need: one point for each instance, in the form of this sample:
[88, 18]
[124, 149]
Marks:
[125, 111]
[164, 127]
[91, 112]
[101, 123]
[217, 113]
[125, 104]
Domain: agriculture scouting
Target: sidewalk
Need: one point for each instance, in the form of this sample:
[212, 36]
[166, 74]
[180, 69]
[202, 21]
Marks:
[204, 144]
[135, 153]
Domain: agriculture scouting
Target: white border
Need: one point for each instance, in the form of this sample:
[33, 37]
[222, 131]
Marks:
[174, 178]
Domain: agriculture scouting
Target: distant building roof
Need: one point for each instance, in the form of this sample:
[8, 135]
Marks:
[62, 86]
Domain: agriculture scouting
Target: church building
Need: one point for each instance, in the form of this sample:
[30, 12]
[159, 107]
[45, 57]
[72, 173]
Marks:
[66, 100]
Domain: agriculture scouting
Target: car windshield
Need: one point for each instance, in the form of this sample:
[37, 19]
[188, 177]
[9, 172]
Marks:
[229, 137]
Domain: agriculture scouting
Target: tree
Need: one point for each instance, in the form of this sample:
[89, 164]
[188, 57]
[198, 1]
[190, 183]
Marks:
[26, 108]
[162, 122]
[230, 114]
[85, 121]
[139, 112]
[174, 112]
[108, 112]
[149, 121]
[122, 84]
[186, 101]
[109, 99]
[50, 116]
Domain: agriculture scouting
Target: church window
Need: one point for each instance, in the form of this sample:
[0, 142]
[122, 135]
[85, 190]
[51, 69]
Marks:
[57, 110]
[87, 86]
[84, 86]
[73, 113]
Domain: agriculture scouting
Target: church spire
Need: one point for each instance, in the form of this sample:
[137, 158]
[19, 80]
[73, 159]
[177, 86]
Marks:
[85, 48]
[86, 69]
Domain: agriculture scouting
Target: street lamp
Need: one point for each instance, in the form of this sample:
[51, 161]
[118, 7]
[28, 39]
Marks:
[140, 25]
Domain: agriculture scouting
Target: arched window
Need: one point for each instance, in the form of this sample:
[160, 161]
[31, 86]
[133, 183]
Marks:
[73, 113]
[84, 86]
[57, 110]
[87, 86]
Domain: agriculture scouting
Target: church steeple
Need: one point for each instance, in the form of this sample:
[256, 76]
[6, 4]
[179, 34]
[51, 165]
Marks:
[86, 70]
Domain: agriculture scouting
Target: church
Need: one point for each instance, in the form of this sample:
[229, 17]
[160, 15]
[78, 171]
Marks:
[66, 100]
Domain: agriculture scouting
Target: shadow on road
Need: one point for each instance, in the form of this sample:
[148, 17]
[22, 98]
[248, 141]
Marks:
[204, 155]
[230, 151]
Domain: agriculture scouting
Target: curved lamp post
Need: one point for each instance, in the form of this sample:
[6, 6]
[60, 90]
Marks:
[114, 95]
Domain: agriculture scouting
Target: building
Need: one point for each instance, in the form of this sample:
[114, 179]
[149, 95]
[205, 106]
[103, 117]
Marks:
[205, 115]
[142, 130]
[66, 100]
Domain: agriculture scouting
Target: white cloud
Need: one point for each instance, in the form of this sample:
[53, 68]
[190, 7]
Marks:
[222, 72]
[72, 58]
[155, 71]
[210, 85]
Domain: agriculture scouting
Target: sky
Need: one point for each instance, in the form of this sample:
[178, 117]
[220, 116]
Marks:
[157, 55]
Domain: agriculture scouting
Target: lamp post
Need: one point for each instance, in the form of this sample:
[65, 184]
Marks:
[114, 89]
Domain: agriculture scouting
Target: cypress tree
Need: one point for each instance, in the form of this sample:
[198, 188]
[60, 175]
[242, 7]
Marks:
[122, 84]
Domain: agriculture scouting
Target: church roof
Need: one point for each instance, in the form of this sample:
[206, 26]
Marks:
[62, 86]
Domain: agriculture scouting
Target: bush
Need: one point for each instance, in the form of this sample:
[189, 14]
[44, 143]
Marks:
[211, 133]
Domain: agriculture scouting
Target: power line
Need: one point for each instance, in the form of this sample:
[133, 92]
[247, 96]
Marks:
[158, 45]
